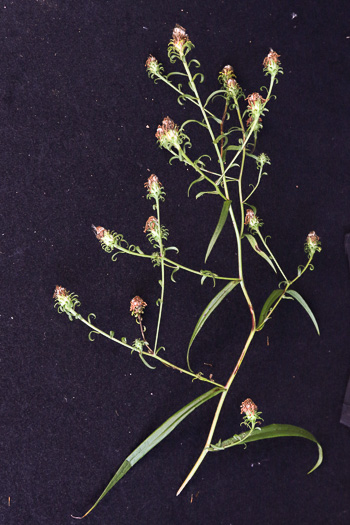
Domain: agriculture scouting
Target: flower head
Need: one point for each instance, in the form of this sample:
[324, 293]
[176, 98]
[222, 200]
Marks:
[249, 408]
[66, 302]
[251, 220]
[151, 224]
[255, 102]
[154, 187]
[106, 238]
[272, 63]
[137, 306]
[312, 244]
[179, 37]
[168, 134]
[154, 68]
[179, 44]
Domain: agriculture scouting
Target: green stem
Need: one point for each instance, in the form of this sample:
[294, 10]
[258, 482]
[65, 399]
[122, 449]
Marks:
[284, 293]
[175, 264]
[271, 254]
[161, 251]
[217, 413]
[153, 356]
[194, 88]
[255, 187]
[164, 79]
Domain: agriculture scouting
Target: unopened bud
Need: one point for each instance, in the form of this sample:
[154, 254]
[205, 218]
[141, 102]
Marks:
[151, 224]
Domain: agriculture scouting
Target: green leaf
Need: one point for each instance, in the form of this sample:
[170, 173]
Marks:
[192, 120]
[269, 432]
[219, 227]
[156, 437]
[208, 311]
[256, 248]
[272, 298]
[304, 304]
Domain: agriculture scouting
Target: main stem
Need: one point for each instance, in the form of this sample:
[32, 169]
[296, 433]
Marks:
[161, 251]
[240, 267]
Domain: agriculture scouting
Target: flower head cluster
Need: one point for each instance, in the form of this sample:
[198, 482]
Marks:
[106, 238]
[252, 221]
[227, 79]
[272, 64]
[137, 306]
[154, 68]
[154, 187]
[312, 244]
[168, 135]
[251, 417]
[225, 74]
[66, 302]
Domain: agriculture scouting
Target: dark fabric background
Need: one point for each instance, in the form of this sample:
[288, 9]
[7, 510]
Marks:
[78, 117]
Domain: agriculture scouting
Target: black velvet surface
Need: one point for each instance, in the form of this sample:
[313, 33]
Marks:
[78, 117]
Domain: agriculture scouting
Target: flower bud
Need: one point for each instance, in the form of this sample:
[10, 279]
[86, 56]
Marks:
[137, 306]
[312, 244]
[272, 64]
[262, 160]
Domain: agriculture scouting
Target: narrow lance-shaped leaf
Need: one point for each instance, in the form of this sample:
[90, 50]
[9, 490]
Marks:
[208, 311]
[304, 304]
[219, 227]
[156, 437]
[272, 298]
[268, 432]
[256, 248]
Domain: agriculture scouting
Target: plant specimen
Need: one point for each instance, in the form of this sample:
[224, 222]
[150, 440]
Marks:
[232, 147]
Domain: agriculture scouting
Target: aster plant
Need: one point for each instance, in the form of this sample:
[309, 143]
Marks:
[232, 147]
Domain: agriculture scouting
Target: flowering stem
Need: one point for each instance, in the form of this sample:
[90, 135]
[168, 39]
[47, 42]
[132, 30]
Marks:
[132, 348]
[143, 335]
[162, 284]
[270, 252]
